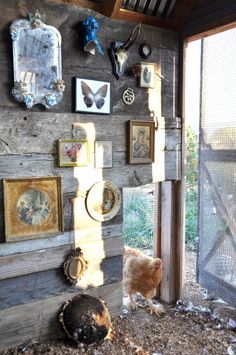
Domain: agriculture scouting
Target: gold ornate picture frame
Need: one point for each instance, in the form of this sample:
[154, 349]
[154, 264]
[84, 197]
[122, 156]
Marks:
[73, 152]
[32, 208]
[141, 137]
[103, 201]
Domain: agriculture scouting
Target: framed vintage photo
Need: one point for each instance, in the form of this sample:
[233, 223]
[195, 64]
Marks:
[92, 96]
[103, 154]
[141, 135]
[73, 152]
[147, 75]
[32, 208]
[103, 200]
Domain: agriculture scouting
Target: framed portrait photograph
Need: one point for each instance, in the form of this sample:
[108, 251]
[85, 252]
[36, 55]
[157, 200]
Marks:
[73, 152]
[103, 154]
[32, 208]
[147, 75]
[141, 135]
[92, 96]
[103, 200]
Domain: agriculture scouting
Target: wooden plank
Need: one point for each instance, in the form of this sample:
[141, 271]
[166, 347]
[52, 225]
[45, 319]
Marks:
[84, 3]
[111, 230]
[93, 246]
[45, 284]
[39, 320]
[182, 11]
[26, 263]
[38, 132]
[111, 8]
[146, 19]
[211, 24]
[168, 243]
[218, 155]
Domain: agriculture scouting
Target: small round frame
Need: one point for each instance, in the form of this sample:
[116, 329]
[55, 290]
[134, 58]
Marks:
[145, 50]
[103, 201]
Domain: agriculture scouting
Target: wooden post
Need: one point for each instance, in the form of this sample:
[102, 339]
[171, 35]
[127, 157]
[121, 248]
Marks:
[171, 242]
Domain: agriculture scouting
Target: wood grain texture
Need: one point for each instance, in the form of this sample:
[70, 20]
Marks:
[41, 285]
[33, 285]
[39, 320]
[92, 245]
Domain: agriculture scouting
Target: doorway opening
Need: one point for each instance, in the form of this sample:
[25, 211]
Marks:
[210, 87]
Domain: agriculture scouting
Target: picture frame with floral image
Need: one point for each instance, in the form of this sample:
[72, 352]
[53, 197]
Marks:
[73, 152]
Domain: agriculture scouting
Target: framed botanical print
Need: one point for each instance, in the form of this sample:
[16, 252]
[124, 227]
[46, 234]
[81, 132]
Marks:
[147, 75]
[32, 207]
[141, 136]
[103, 154]
[73, 152]
[92, 96]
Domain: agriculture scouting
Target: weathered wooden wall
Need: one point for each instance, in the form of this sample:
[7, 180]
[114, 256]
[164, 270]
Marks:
[32, 283]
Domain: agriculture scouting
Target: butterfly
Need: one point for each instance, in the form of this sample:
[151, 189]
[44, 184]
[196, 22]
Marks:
[90, 97]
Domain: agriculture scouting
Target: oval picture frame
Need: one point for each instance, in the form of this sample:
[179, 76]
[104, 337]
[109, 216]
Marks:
[103, 200]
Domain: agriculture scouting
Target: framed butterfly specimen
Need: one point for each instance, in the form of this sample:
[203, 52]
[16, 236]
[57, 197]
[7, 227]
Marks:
[73, 152]
[92, 96]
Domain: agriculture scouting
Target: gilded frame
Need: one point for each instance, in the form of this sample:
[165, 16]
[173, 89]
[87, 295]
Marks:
[73, 152]
[32, 208]
[141, 139]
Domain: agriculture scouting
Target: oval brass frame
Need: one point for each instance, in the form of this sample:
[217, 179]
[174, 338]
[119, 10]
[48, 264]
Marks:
[98, 188]
[75, 265]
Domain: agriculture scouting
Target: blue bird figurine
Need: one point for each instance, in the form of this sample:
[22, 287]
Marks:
[90, 41]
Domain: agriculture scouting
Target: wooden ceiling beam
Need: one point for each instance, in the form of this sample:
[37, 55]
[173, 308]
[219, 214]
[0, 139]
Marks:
[182, 11]
[110, 8]
[128, 15]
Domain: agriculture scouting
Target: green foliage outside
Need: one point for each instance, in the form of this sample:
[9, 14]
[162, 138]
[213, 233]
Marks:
[191, 214]
[138, 218]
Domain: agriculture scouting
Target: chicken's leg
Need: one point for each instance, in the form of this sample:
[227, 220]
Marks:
[157, 309]
[132, 305]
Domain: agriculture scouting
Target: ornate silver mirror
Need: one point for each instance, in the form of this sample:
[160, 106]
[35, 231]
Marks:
[36, 62]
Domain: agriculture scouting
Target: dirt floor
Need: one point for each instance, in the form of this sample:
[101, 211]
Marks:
[196, 325]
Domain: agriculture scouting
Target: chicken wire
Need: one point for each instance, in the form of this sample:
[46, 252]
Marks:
[217, 222]
[140, 217]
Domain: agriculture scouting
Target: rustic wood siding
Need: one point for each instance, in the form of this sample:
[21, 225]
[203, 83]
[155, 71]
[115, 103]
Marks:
[32, 282]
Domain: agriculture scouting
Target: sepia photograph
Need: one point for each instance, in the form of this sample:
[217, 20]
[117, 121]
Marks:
[140, 142]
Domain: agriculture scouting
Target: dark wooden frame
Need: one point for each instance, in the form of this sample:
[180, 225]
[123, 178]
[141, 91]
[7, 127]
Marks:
[15, 227]
[141, 160]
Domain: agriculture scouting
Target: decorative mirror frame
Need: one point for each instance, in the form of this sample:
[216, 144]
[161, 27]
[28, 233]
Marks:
[75, 265]
[34, 85]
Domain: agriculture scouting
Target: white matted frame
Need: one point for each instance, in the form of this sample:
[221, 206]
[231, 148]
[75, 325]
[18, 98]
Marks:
[147, 75]
[103, 154]
[92, 96]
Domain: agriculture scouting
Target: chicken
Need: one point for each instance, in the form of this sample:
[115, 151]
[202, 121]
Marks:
[141, 274]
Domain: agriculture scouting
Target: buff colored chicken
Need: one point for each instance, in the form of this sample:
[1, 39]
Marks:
[141, 274]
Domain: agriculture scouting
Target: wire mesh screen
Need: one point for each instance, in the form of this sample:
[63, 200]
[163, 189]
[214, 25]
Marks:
[217, 223]
[140, 216]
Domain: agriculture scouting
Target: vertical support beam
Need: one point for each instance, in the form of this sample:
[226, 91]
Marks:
[110, 8]
[171, 242]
